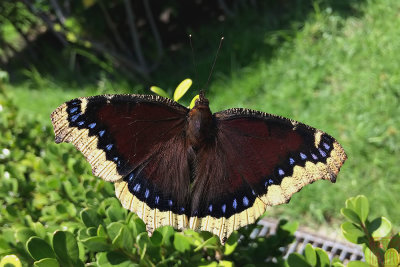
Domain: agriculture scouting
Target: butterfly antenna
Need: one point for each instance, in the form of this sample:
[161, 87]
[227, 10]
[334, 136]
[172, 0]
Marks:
[193, 59]
[215, 60]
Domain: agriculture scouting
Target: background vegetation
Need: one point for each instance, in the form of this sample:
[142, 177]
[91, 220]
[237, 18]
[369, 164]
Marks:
[330, 64]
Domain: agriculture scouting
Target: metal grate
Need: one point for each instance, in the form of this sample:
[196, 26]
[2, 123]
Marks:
[344, 251]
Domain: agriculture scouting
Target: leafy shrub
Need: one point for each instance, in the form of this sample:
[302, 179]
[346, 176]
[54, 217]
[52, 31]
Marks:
[55, 213]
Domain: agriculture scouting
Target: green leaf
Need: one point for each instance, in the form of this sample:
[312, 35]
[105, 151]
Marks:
[310, 254]
[358, 264]
[113, 259]
[362, 207]
[182, 88]
[124, 239]
[323, 258]
[156, 238]
[143, 242]
[353, 233]
[181, 242]
[159, 91]
[370, 257]
[297, 260]
[380, 227]
[10, 261]
[226, 264]
[66, 247]
[96, 243]
[167, 232]
[101, 231]
[391, 257]
[193, 101]
[47, 262]
[395, 242]
[231, 243]
[23, 234]
[351, 215]
[351, 203]
[39, 249]
[137, 226]
[90, 218]
[290, 227]
[116, 213]
[337, 264]
[113, 229]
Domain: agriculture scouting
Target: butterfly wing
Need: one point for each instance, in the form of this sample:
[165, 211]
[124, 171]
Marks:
[257, 160]
[133, 140]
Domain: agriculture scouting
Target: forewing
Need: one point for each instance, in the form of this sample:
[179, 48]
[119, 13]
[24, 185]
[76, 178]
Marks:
[131, 140]
[257, 160]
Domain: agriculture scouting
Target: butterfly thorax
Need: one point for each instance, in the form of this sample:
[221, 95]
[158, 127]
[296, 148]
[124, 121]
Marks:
[200, 127]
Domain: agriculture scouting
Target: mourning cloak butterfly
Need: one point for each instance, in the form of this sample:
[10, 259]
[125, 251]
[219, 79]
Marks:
[191, 168]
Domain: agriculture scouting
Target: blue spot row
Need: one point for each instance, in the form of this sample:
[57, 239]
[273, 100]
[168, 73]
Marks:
[73, 110]
[92, 125]
[327, 147]
[109, 146]
[234, 204]
[223, 208]
[75, 117]
[245, 201]
[136, 188]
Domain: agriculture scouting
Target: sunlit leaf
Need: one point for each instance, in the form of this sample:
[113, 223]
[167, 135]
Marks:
[159, 91]
[182, 89]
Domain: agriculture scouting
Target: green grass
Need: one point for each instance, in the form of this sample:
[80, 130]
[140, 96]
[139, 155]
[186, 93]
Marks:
[339, 74]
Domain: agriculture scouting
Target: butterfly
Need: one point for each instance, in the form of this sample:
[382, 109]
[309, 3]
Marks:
[190, 168]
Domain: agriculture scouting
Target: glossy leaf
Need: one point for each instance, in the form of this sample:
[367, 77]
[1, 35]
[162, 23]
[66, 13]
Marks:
[231, 243]
[351, 203]
[193, 101]
[380, 227]
[113, 259]
[156, 238]
[96, 243]
[90, 218]
[39, 249]
[159, 91]
[358, 264]
[362, 207]
[66, 247]
[351, 215]
[395, 242]
[370, 257]
[181, 242]
[323, 258]
[10, 260]
[182, 89]
[297, 260]
[310, 255]
[47, 262]
[353, 233]
[124, 239]
[391, 257]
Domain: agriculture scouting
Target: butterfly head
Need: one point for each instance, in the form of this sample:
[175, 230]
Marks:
[201, 101]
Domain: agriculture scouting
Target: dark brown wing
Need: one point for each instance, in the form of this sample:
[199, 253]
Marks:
[257, 160]
[138, 142]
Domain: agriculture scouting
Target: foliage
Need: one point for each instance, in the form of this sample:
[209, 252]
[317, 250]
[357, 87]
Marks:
[57, 214]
